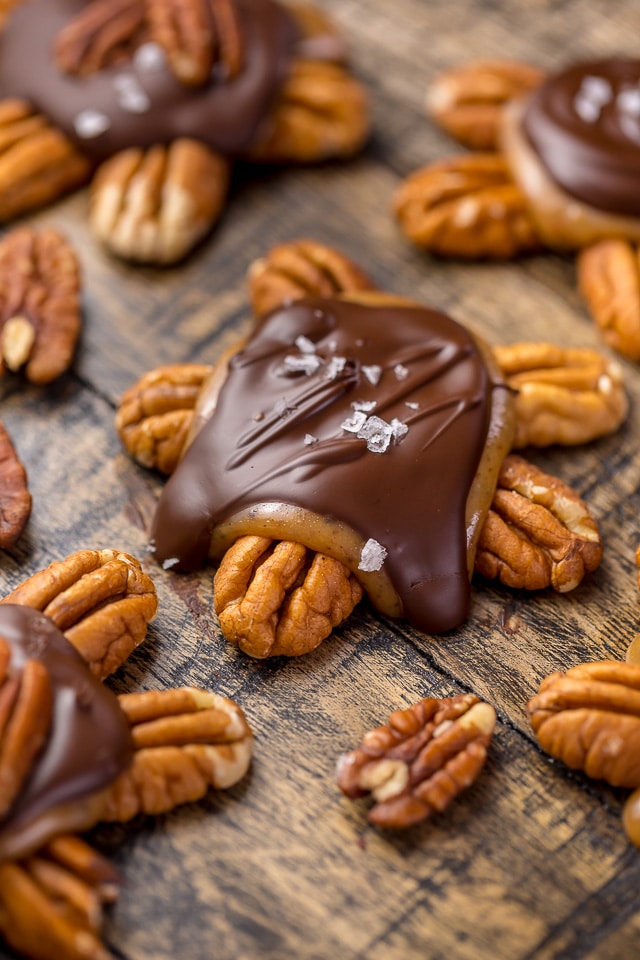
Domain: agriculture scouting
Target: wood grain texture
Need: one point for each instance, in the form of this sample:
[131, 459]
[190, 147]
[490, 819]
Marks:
[531, 862]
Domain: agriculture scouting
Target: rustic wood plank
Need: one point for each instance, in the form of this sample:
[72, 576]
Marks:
[532, 861]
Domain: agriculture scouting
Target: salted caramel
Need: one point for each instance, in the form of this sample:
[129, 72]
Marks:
[89, 742]
[360, 430]
[138, 102]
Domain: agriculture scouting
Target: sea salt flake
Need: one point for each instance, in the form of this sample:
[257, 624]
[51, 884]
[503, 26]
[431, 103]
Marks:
[282, 407]
[133, 100]
[629, 101]
[412, 404]
[366, 405]
[167, 564]
[373, 372]
[309, 439]
[353, 423]
[588, 110]
[378, 434]
[372, 556]
[597, 89]
[149, 58]
[305, 345]
[91, 123]
[307, 363]
[398, 428]
[335, 367]
[401, 371]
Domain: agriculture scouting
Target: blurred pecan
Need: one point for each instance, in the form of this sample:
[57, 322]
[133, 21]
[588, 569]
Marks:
[51, 903]
[538, 532]
[321, 112]
[467, 101]
[100, 599]
[102, 33]
[302, 268]
[589, 717]
[37, 162]
[185, 741]
[277, 598]
[468, 207]
[197, 35]
[565, 396]
[15, 499]
[39, 303]
[152, 206]
[155, 414]
[609, 281]
[421, 760]
[25, 719]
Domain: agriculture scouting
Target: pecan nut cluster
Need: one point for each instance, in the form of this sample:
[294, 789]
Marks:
[484, 204]
[160, 186]
[66, 628]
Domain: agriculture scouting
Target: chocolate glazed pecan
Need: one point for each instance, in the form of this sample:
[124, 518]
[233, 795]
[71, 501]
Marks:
[276, 595]
[164, 95]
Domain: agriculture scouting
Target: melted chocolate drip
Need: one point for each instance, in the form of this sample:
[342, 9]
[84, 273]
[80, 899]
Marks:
[140, 103]
[277, 435]
[90, 738]
[584, 124]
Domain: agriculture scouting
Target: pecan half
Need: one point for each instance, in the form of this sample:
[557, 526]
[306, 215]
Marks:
[418, 762]
[100, 599]
[538, 532]
[155, 414]
[563, 395]
[197, 35]
[153, 206]
[101, 34]
[466, 207]
[51, 903]
[25, 720]
[38, 164]
[185, 741]
[321, 112]
[277, 598]
[467, 101]
[302, 268]
[39, 303]
[15, 499]
[609, 281]
[589, 717]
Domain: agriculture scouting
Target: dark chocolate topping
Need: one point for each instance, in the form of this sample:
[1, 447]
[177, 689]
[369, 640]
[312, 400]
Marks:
[278, 435]
[140, 103]
[584, 124]
[90, 739]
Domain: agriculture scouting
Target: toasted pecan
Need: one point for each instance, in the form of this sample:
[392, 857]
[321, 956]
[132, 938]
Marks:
[39, 303]
[562, 395]
[467, 101]
[101, 34]
[279, 598]
[38, 164]
[197, 35]
[468, 207]
[100, 599]
[609, 281]
[15, 499]
[154, 205]
[321, 112]
[155, 414]
[302, 268]
[418, 762]
[538, 532]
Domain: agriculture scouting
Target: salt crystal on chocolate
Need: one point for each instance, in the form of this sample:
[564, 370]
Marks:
[378, 434]
[373, 373]
[372, 556]
[91, 123]
[353, 423]
[401, 371]
[335, 367]
[149, 57]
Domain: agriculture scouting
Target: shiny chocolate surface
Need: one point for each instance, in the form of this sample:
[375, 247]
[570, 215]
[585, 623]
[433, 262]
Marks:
[89, 743]
[138, 102]
[584, 124]
[375, 416]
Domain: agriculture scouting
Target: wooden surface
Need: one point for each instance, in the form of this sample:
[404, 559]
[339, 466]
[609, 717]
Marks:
[532, 861]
